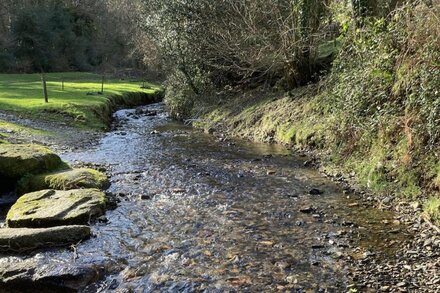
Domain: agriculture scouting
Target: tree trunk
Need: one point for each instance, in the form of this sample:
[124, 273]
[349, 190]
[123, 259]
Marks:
[43, 82]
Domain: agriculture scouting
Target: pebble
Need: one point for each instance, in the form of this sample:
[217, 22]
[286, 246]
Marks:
[315, 191]
[145, 196]
[416, 205]
[386, 200]
[308, 164]
[306, 210]
[291, 280]
[299, 223]
[179, 190]
[102, 219]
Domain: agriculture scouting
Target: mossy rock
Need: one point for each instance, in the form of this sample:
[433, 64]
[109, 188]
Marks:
[49, 208]
[17, 160]
[24, 239]
[64, 180]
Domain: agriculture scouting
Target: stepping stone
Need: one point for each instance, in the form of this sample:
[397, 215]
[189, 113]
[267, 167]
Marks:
[17, 160]
[49, 208]
[33, 275]
[64, 180]
[24, 239]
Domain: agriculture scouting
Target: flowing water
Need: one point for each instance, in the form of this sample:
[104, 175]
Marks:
[202, 214]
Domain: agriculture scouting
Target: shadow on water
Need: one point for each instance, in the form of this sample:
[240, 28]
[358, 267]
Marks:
[220, 215]
[7, 197]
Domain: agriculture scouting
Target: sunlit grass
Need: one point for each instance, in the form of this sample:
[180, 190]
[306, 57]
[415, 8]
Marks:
[23, 94]
[432, 209]
[8, 126]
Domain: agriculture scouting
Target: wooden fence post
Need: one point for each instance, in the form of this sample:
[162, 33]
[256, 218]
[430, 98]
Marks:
[43, 81]
[62, 83]
[102, 84]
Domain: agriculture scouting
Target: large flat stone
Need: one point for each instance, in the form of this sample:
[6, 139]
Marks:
[17, 160]
[25, 239]
[49, 208]
[64, 180]
[33, 275]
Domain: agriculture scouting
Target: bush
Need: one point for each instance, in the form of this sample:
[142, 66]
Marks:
[384, 89]
[182, 94]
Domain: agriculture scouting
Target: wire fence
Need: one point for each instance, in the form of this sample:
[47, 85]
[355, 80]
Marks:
[93, 84]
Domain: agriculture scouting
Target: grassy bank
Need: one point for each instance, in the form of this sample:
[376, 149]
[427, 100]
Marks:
[384, 161]
[376, 115]
[78, 103]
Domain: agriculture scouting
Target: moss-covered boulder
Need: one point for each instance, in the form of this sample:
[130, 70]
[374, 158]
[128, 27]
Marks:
[17, 160]
[64, 180]
[49, 208]
[24, 239]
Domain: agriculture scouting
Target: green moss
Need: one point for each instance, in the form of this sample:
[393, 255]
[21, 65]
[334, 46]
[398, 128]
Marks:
[437, 176]
[411, 187]
[382, 161]
[382, 169]
[48, 208]
[64, 180]
[287, 133]
[17, 160]
[371, 172]
[3, 138]
[16, 128]
[432, 209]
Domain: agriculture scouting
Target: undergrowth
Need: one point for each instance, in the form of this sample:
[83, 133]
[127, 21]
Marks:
[376, 114]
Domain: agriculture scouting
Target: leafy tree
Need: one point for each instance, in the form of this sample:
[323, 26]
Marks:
[63, 35]
[34, 40]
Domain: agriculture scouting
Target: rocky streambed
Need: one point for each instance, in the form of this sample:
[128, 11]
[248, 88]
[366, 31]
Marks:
[203, 213]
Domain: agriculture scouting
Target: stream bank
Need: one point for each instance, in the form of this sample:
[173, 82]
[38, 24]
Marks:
[59, 129]
[205, 213]
[293, 120]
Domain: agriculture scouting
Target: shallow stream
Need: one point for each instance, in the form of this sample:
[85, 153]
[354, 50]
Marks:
[199, 213]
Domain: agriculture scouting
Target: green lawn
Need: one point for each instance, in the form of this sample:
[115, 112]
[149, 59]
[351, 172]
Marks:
[22, 94]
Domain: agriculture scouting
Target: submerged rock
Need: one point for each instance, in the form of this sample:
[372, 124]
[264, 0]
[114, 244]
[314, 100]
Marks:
[315, 191]
[17, 160]
[48, 208]
[24, 239]
[64, 180]
[33, 276]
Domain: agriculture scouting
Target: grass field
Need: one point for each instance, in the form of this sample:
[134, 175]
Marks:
[77, 104]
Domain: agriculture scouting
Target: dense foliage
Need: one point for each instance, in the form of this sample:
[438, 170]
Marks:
[210, 44]
[362, 79]
[48, 35]
[207, 45]
[384, 92]
[373, 65]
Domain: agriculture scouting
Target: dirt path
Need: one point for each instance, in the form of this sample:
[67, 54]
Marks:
[59, 136]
